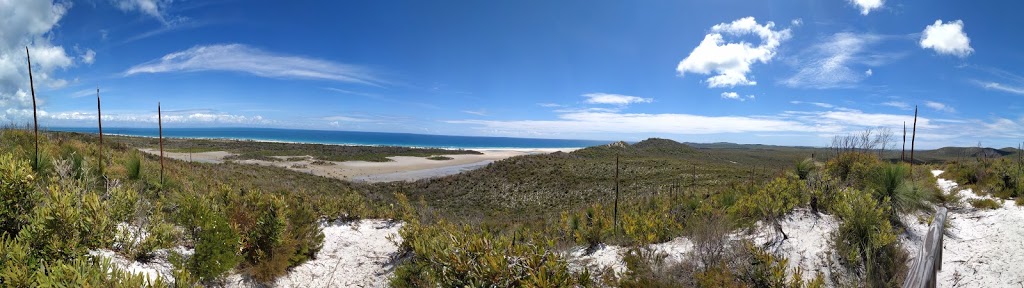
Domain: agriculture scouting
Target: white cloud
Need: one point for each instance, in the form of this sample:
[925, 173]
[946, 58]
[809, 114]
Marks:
[245, 59]
[897, 104]
[28, 23]
[1000, 87]
[869, 72]
[731, 61]
[947, 38]
[614, 99]
[154, 8]
[797, 22]
[89, 56]
[829, 64]
[867, 5]
[736, 96]
[939, 106]
[550, 105]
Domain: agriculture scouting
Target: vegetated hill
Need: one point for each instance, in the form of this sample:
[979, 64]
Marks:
[649, 147]
[958, 153]
[535, 188]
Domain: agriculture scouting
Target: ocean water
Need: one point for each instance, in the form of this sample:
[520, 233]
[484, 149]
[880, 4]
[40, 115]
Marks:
[345, 137]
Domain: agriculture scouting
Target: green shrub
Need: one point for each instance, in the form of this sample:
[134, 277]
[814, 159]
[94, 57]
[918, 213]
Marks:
[482, 259]
[17, 197]
[803, 168]
[768, 270]
[771, 202]
[68, 223]
[589, 227]
[889, 185]
[216, 248]
[851, 167]
[986, 203]
[865, 240]
[134, 167]
[650, 222]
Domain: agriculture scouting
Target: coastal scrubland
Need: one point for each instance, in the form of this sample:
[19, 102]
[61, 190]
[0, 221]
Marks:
[522, 221]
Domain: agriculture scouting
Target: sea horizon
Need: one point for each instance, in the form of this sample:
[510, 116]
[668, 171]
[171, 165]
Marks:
[335, 137]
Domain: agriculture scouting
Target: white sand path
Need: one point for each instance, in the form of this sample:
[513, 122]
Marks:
[985, 247]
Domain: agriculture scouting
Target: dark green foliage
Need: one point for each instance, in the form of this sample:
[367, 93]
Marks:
[890, 185]
[216, 247]
[134, 167]
[804, 167]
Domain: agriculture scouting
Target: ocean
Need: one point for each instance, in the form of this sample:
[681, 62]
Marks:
[344, 137]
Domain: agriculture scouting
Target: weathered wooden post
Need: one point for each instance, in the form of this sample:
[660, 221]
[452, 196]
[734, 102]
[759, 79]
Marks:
[99, 120]
[35, 120]
[160, 126]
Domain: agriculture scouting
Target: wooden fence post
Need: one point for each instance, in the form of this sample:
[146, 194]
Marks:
[160, 125]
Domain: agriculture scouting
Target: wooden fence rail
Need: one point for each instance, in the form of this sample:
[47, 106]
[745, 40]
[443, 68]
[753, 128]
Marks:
[929, 259]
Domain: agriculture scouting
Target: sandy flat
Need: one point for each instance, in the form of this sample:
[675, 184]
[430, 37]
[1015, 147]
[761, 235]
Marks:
[201, 157]
[401, 168]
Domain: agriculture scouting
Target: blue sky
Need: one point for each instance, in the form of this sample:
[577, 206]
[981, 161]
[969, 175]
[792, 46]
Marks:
[772, 72]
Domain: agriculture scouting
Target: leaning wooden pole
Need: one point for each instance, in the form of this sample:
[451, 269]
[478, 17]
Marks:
[903, 155]
[615, 211]
[160, 126]
[99, 122]
[912, 138]
[35, 119]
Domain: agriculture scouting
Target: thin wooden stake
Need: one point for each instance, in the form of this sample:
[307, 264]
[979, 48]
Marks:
[903, 155]
[99, 120]
[35, 120]
[160, 125]
[912, 138]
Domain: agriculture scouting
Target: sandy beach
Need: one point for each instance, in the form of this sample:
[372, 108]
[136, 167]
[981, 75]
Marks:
[401, 168]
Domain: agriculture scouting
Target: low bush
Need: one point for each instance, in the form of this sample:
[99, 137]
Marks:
[589, 227]
[986, 203]
[17, 195]
[450, 255]
[852, 167]
[865, 240]
[771, 202]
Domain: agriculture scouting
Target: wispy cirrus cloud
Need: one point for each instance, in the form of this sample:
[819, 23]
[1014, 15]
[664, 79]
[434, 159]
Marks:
[240, 58]
[1019, 90]
[838, 62]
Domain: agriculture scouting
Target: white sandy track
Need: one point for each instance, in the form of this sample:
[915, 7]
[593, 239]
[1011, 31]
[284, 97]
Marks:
[355, 254]
[986, 247]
